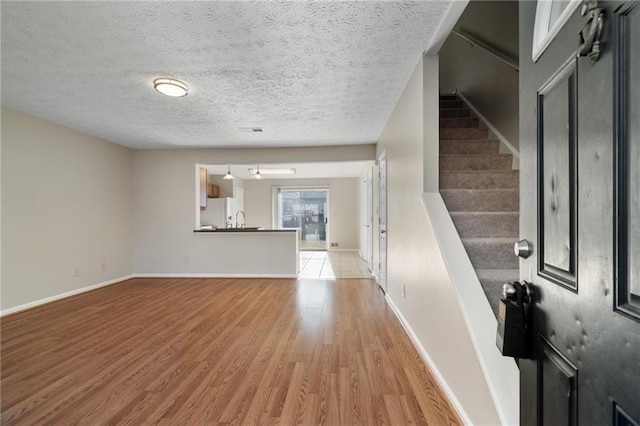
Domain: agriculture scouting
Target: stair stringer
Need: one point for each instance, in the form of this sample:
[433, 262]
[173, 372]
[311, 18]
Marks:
[501, 373]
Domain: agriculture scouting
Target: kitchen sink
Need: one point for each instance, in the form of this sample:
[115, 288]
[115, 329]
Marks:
[247, 228]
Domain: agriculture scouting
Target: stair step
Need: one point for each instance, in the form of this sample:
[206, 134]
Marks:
[487, 224]
[481, 200]
[456, 103]
[458, 122]
[479, 179]
[455, 112]
[475, 162]
[449, 97]
[463, 133]
[492, 281]
[491, 253]
[469, 146]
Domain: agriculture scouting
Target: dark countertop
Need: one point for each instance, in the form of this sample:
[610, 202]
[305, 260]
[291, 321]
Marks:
[242, 230]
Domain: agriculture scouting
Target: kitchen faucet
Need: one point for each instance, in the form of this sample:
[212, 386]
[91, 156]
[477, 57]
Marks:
[244, 219]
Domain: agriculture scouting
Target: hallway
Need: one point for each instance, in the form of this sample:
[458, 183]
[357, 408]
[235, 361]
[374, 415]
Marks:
[331, 265]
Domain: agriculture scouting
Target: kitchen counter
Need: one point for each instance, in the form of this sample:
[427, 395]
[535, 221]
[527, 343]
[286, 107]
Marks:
[238, 252]
[243, 230]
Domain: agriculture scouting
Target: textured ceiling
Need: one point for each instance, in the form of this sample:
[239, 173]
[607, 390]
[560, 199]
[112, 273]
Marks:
[309, 73]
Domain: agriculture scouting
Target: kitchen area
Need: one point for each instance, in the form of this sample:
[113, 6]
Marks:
[169, 210]
[221, 219]
[247, 226]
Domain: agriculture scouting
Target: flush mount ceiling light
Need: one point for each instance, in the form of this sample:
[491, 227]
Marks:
[273, 171]
[170, 87]
[228, 175]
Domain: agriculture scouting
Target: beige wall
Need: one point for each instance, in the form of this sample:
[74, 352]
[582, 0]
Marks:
[430, 126]
[66, 204]
[490, 85]
[164, 208]
[344, 206]
[430, 307]
[226, 185]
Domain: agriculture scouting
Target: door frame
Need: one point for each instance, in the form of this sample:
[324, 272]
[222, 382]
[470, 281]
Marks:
[366, 219]
[382, 220]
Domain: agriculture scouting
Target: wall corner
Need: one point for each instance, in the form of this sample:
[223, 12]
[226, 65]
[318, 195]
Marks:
[430, 122]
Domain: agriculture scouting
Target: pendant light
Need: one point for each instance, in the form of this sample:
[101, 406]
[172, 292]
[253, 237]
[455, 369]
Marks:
[228, 175]
[258, 175]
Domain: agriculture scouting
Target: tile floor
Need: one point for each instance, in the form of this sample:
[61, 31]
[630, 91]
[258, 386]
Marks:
[335, 264]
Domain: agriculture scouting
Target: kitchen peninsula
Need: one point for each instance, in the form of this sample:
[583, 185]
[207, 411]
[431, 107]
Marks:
[251, 252]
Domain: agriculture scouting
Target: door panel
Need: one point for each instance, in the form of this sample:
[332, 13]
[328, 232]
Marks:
[585, 367]
[627, 161]
[558, 389]
[556, 175]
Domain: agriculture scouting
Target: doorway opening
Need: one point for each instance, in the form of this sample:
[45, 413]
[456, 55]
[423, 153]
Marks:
[305, 209]
[366, 219]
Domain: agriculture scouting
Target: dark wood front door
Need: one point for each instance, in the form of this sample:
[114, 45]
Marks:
[580, 207]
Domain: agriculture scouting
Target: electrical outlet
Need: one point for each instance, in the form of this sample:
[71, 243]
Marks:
[104, 266]
[186, 259]
[76, 271]
[404, 291]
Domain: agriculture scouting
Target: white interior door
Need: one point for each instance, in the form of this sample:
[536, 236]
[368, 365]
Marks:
[363, 219]
[369, 242]
[382, 213]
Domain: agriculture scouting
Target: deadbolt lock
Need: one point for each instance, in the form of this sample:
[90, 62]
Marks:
[523, 248]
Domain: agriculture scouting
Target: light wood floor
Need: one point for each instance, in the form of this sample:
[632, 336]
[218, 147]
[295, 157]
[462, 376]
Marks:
[217, 351]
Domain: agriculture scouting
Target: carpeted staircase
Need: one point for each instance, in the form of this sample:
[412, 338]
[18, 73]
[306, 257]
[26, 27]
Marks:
[481, 192]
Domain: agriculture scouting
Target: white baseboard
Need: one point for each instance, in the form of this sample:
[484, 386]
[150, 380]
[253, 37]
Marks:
[427, 360]
[196, 275]
[63, 295]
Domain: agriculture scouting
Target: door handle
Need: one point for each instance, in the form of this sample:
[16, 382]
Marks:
[518, 292]
[382, 231]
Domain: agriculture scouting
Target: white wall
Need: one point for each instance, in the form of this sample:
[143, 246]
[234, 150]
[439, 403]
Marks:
[490, 85]
[344, 206]
[164, 208]
[431, 308]
[66, 204]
